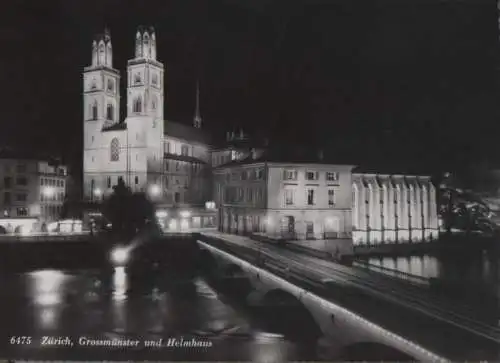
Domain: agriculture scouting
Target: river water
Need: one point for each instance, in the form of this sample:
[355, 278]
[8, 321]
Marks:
[94, 305]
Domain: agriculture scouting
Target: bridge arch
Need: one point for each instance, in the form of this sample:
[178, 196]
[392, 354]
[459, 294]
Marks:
[372, 352]
[285, 314]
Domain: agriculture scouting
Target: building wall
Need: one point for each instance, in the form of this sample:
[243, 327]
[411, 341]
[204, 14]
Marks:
[253, 198]
[32, 188]
[318, 207]
[393, 208]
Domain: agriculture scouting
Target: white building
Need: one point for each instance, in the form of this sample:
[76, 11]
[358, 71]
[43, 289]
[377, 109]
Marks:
[315, 200]
[393, 208]
[32, 190]
[168, 160]
[283, 198]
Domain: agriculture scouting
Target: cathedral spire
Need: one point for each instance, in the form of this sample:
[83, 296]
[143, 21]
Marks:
[197, 117]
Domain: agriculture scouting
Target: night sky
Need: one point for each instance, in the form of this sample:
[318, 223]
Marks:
[369, 81]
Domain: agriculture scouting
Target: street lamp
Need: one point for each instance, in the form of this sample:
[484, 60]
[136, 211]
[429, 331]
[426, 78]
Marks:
[120, 256]
[154, 190]
[97, 192]
[48, 191]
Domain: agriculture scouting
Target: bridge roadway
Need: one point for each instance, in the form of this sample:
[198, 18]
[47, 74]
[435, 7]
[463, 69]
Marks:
[445, 327]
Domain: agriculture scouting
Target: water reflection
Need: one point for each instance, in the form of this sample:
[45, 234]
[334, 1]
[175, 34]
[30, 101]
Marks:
[110, 304]
[269, 348]
[46, 287]
[425, 266]
[120, 284]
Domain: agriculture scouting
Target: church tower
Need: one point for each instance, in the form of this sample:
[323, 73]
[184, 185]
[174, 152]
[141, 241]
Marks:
[145, 101]
[197, 117]
[101, 105]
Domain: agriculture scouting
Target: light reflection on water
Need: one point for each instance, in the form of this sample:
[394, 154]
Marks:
[59, 304]
[120, 283]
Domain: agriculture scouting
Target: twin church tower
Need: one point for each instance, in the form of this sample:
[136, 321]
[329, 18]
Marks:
[132, 149]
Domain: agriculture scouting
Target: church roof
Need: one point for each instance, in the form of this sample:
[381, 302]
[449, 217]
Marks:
[186, 132]
[116, 127]
[186, 158]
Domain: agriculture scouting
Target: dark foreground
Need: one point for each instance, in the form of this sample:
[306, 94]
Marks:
[163, 300]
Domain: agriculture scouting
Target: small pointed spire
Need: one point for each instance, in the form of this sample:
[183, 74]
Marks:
[107, 34]
[197, 117]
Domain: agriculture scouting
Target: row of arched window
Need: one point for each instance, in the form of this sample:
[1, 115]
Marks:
[390, 208]
[110, 111]
[137, 104]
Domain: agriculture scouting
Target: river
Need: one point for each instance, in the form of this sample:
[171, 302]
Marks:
[89, 305]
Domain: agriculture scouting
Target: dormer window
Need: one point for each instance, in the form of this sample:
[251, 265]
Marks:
[137, 78]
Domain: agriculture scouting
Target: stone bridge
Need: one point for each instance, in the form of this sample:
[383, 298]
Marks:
[347, 335]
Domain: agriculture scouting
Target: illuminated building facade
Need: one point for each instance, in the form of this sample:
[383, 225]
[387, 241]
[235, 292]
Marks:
[33, 190]
[168, 160]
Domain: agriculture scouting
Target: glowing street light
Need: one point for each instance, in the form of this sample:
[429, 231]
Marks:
[48, 191]
[120, 256]
[161, 214]
[154, 190]
[97, 192]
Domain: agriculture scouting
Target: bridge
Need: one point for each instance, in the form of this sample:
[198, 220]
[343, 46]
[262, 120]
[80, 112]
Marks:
[362, 315]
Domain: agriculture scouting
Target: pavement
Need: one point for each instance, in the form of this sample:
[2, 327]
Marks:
[409, 310]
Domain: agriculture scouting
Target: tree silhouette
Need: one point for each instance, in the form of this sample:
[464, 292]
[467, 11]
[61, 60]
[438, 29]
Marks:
[128, 212]
[462, 208]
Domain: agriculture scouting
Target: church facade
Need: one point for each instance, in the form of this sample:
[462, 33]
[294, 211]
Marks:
[167, 160]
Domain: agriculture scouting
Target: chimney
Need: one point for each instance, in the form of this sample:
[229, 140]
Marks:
[320, 155]
[242, 135]
[228, 136]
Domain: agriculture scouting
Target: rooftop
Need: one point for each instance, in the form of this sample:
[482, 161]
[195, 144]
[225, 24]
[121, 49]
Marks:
[186, 132]
[295, 156]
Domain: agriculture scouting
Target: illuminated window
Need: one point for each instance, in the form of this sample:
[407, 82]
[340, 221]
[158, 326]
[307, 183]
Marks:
[115, 150]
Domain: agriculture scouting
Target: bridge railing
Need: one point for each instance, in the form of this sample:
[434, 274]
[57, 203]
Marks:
[401, 275]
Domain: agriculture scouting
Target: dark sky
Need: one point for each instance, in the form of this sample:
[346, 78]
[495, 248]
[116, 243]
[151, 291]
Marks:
[373, 80]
